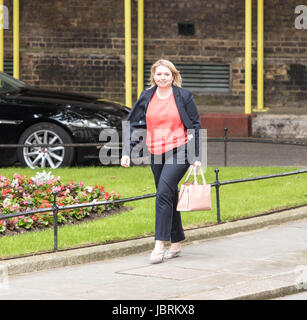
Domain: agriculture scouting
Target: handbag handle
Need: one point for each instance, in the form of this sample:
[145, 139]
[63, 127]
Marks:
[202, 175]
[195, 176]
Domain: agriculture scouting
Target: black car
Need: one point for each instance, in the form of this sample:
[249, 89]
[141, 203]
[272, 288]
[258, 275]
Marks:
[34, 116]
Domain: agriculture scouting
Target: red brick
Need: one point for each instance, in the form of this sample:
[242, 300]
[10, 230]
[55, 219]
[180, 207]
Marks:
[239, 125]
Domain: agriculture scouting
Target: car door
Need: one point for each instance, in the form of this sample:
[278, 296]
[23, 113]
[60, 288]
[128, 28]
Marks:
[11, 121]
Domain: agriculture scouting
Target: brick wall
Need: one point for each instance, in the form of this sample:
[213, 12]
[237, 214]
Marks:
[72, 45]
[79, 45]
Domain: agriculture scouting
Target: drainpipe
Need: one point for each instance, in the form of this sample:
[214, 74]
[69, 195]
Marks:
[16, 39]
[1, 35]
[260, 57]
[248, 56]
[128, 73]
[140, 47]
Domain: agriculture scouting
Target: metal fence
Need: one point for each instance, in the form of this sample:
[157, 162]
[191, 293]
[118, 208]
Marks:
[217, 184]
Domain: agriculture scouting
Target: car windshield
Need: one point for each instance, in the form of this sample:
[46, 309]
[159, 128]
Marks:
[8, 83]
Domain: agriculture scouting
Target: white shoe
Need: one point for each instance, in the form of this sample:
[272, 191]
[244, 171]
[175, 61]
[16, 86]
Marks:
[170, 254]
[157, 256]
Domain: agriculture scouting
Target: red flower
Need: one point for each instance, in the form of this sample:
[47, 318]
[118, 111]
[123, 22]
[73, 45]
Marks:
[45, 204]
[16, 176]
[106, 196]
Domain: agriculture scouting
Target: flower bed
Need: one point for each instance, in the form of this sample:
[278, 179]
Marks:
[22, 194]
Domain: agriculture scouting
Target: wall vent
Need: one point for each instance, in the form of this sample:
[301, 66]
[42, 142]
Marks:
[186, 29]
[8, 66]
[199, 77]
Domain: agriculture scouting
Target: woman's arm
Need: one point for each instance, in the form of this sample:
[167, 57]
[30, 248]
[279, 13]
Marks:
[192, 112]
[130, 124]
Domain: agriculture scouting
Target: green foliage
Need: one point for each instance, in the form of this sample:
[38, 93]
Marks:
[22, 194]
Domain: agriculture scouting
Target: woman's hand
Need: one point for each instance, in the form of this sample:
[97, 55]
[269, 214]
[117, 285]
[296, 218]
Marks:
[196, 164]
[125, 161]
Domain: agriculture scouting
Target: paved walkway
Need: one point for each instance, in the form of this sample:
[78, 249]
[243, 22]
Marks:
[259, 264]
[250, 154]
[256, 154]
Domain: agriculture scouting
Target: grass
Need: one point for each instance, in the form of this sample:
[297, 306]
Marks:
[237, 201]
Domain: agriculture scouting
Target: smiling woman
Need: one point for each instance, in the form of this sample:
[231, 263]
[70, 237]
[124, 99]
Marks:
[167, 111]
[33, 116]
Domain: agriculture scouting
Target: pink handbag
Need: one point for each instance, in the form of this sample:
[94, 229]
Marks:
[196, 196]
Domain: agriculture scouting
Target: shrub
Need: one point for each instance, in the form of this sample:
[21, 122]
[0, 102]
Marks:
[21, 194]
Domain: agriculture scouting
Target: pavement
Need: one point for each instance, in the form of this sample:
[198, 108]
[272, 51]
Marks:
[256, 154]
[263, 257]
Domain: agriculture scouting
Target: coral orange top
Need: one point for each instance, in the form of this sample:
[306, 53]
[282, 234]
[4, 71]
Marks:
[165, 129]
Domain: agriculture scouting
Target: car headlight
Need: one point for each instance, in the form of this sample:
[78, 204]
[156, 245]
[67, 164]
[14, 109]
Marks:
[90, 123]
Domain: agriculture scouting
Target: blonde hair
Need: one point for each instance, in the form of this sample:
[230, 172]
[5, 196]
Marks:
[176, 73]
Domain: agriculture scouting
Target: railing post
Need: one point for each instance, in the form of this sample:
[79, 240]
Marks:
[55, 222]
[225, 146]
[217, 190]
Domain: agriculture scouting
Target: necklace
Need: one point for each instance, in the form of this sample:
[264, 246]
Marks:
[168, 95]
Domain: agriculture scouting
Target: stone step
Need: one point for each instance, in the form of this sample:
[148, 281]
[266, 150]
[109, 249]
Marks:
[285, 126]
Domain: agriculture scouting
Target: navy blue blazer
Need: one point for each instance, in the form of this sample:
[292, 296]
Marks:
[187, 110]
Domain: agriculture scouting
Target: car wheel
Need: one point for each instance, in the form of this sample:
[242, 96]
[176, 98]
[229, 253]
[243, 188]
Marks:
[43, 157]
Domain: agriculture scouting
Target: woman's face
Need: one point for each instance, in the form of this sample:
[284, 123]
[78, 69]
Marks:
[163, 77]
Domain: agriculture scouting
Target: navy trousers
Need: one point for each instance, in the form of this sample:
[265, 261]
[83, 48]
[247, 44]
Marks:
[168, 169]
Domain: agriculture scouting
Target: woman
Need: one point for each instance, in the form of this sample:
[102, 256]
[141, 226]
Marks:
[167, 111]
